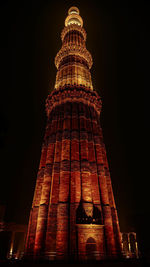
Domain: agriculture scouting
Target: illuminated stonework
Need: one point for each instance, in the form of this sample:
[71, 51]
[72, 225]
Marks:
[73, 213]
[73, 17]
[73, 61]
[129, 245]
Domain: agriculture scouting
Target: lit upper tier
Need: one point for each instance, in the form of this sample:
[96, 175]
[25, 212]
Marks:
[73, 60]
[73, 17]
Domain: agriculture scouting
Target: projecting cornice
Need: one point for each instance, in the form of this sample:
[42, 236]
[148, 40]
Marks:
[73, 50]
[73, 94]
[73, 27]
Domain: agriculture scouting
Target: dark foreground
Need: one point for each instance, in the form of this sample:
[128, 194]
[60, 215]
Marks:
[121, 263]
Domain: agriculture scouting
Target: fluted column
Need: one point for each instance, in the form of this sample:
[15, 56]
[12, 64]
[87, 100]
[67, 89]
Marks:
[64, 189]
[73, 204]
[96, 197]
[85, 171]
[30, 239]
[115, 219]
[45, 193]
[50, 240]
[75, 183]
[107, 216]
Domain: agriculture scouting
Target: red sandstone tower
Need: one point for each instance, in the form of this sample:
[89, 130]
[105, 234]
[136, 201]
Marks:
[73, 212]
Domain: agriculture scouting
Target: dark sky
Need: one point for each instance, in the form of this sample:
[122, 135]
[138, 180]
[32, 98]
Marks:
[118, 39]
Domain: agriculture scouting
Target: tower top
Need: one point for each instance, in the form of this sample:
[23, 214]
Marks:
[73, 10]
[73, 17]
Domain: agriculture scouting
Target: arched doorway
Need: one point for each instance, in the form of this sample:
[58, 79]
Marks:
[133, 245]
[91, 249]
[125, 243]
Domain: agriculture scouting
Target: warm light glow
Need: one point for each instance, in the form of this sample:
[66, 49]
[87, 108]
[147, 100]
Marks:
[129, 247]
[11, 251]
[74, 21]
[73, 174]
[136, 245]
[73, 17]
[73, 10]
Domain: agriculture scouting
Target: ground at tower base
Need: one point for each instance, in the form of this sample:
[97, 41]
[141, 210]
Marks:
[105, 263]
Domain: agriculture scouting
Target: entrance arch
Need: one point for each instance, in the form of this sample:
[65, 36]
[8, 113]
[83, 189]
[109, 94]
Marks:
[91, 249]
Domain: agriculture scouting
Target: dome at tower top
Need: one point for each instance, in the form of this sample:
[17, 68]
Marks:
[73, 17]
[73, 10]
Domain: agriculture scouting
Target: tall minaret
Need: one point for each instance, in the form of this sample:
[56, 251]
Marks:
[73, 213]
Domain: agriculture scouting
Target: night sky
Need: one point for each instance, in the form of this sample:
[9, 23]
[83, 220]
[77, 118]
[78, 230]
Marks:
[118, 39]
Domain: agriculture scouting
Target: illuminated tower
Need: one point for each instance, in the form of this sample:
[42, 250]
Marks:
[73, 212]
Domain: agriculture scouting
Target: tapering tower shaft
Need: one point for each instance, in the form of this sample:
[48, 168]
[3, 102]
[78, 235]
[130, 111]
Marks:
[73, 61]
[73, 211]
